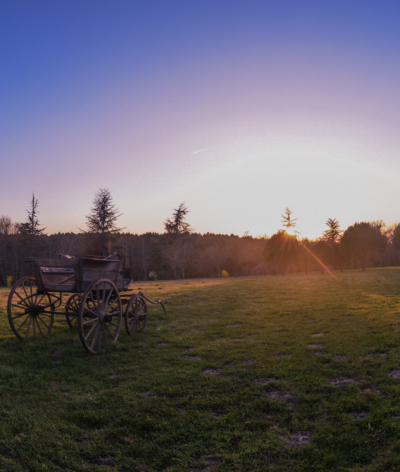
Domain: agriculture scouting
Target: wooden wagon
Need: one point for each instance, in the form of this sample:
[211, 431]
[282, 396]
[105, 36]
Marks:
[99, 299]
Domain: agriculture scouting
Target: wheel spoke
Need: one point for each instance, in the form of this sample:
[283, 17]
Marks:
[27, 296]
[92, 312]
[95, 336]
[22, 299]
[19, 316]
[108, 297]
[89, 321]
[104, 336]
[27, 318]
[94, 303]
[40, 329]
[110, 306]
[29, 325]
[106, 327]
[99, 338]
[90, 331]
[44, 323]
[40, 301]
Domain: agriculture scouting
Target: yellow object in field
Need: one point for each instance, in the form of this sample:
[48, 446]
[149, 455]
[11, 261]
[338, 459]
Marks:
[225, 273]
[9, 280]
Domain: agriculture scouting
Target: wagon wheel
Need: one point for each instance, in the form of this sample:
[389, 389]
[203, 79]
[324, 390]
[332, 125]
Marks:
[135, 315]
[29, 313]
[72, 310]
[100, 315]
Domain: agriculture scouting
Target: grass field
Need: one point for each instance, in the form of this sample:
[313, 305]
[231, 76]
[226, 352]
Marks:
[226, 381]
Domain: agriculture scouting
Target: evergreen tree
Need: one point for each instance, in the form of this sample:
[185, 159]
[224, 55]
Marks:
[288, 222]
[177, 224]
[333, 233]
[103, 214]
[32, 226]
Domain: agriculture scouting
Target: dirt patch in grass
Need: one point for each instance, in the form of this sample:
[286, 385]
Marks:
[191, 358]
[395, 374]
[280, 356]
[212, 371]
[282, 397]
[58, 353]
[372, 390]
[249, 361]
[343, 381]
[162, 344]
[264, 381]
[298, 439]
[316, 346]
[339, 358]
[359, 415]
[105, 461]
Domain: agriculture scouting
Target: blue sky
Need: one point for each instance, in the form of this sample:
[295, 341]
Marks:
[240, 109]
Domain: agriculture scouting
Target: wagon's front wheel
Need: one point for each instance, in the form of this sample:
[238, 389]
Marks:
[136, 315]
[30, 314]
[100, 315]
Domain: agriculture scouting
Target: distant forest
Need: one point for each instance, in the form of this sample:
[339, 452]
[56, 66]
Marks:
[182, 253]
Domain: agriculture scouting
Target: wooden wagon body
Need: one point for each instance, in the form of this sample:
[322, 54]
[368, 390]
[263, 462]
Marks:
[75, 275]
[96, 302]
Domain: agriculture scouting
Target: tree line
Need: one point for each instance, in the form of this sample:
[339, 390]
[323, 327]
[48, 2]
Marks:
[180, 252]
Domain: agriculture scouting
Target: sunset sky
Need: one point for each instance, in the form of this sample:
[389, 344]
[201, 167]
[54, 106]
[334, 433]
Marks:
[237, 108]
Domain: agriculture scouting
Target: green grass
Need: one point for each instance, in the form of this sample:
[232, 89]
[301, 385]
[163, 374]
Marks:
[144, 408]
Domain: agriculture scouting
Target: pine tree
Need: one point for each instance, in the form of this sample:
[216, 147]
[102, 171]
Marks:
[103, 214]
[288, 222]
[333, 233]
[31, 227]
[177, 225]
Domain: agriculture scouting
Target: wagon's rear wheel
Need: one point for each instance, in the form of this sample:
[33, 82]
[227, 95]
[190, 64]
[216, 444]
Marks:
[30, 314]
[100, 316]
[72, 309]
[136, 315]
